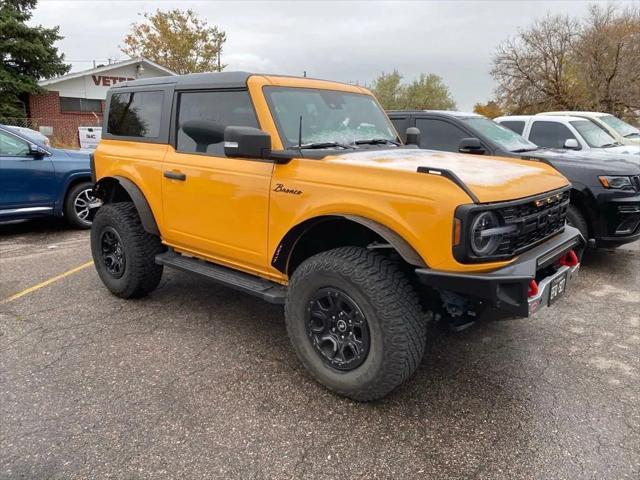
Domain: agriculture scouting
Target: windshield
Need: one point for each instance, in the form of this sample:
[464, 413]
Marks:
[595, 136]
[328, 116]
[620, 126]
[505, 138]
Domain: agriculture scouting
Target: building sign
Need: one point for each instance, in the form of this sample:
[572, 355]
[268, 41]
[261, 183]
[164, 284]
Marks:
[89, 137]
[108, 81]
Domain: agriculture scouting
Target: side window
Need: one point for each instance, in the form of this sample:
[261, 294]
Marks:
[439, 135]
[230, 108]
[515, 125]
[135, 114]
[12, 146]
[401, 125]
[72, 104]
[549, 134]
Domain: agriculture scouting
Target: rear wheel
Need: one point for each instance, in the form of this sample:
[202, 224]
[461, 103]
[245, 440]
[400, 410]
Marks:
[123, 252]
[577, 220]
[355, 322]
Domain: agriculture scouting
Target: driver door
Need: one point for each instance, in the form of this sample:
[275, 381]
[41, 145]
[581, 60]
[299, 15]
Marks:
[214, 205]
[27, 181]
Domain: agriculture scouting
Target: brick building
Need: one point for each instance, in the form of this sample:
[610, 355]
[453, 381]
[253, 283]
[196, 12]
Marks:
[77, 99]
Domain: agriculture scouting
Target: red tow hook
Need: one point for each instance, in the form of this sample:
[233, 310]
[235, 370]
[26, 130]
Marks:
[570, 259]
[533, 288]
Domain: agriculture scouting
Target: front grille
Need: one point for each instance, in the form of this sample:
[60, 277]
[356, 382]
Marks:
[535, 220]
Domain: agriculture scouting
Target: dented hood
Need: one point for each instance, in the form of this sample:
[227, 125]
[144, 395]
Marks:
[490, 179]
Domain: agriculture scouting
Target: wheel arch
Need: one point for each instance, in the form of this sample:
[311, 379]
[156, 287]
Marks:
[582, 201]
[70, 182]
[120, 189]
[319, 234]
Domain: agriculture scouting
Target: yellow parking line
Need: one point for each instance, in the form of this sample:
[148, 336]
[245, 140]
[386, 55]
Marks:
[46, 282]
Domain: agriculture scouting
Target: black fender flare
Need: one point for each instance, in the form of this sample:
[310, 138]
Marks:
[142, 206]
[280, 259]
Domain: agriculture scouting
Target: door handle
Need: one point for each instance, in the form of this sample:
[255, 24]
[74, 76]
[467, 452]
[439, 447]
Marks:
[175, 175]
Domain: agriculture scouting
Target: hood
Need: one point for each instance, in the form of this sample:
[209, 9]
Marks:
[632, 141]
[491, 179]
[624, 149]
[76, 154]
[601, 162]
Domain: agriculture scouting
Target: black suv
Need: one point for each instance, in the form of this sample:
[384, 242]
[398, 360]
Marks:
[605, 194]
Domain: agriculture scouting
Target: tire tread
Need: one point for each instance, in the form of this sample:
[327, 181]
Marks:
[144, 274]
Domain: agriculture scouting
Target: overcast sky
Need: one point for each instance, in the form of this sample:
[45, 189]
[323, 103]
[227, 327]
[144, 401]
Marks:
[345, 41]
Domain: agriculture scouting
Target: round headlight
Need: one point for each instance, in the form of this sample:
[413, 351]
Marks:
[483, 241]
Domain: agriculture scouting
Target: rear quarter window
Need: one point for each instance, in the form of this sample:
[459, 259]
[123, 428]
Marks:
[135, 114]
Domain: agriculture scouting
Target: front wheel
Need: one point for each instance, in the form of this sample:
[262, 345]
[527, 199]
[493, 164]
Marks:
[123, 252]
[577, 220]
[355, 322]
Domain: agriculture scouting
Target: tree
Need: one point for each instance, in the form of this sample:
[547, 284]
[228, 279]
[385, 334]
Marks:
[427, 92]
[27, 55]
[388, 90]
[178, 40]
[563, 63]
[491, 109]
[608, 53]
[534, 71]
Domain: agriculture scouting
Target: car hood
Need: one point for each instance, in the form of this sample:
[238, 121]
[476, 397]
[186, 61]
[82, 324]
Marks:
[626, 149]
[491, 179]
[76, 154]
[601, 162]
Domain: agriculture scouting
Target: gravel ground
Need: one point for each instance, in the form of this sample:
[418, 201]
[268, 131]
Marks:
[198, 381]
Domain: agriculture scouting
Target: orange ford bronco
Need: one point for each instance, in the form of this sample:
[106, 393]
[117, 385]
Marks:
[299, 191]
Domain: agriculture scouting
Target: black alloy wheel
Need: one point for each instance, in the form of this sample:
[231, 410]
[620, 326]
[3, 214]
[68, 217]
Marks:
[337, 329]
[112, 250]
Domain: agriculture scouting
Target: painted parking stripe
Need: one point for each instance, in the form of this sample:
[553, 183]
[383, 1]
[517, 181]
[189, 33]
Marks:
[46, 282]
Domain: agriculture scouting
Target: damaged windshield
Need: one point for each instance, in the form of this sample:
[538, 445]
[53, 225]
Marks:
[330, 118]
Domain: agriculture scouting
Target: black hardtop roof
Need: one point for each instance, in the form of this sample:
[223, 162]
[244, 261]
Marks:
[204, 80]
[193, 80]
[444, 113]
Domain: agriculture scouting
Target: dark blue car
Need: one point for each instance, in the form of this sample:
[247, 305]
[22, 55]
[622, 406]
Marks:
[37, 180]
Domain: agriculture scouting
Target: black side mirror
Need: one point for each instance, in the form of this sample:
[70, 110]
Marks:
[246, 142]
[37, 151]
[204, 133]
[471, 145]
[413, 136]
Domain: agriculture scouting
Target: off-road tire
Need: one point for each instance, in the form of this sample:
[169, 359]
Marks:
[577, 220]
[397, 325]
[69, 206]
[141, 274]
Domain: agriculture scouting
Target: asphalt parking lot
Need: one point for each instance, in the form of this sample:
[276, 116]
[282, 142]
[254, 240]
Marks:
[198, 381]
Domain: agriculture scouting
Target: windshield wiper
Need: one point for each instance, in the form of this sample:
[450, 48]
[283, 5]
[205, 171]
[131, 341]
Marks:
[632, 135]
[376, 141]
[607, 145]
[318, 145]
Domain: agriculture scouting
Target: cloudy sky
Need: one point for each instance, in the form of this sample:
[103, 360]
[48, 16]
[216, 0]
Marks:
[346, 41]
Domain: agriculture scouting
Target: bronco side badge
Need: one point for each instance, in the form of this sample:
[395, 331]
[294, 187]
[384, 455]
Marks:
[281, 188]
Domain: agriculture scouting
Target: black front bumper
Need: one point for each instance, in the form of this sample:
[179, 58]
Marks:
[507, 289]
[621, 220]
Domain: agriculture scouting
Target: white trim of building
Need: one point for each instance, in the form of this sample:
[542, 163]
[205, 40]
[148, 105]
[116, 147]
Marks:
[105, 68]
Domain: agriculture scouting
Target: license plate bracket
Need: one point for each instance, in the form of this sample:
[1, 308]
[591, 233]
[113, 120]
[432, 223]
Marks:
[557, 288]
